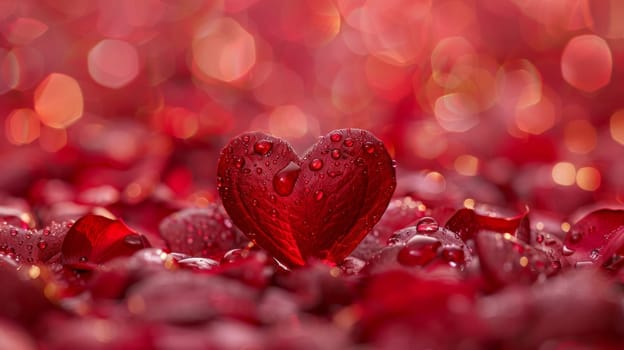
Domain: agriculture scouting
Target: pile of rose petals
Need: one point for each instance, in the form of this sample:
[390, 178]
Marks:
[427, 276]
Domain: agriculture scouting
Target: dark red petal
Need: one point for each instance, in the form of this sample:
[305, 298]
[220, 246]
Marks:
[506, 260]
[587, 240]
[201, 232]
[95, 239]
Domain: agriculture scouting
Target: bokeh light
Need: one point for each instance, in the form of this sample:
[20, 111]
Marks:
[22, 126]
[521, 94]
[58, 100]
[564, 173]
[113, 63]
[616, 126]
[223, 50]
[587, 62]
[588, 178]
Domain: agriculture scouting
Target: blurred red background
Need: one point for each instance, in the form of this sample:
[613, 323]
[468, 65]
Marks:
[498, 100]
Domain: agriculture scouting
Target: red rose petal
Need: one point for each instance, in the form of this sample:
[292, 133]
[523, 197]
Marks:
[467, 222]
[95, 239]
[30, 245]
[506, 260]
[185, 298]
[401, 212]
[201, 232]
[587, 240]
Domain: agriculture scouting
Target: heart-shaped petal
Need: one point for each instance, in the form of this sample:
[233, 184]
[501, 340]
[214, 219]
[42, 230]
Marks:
[320, 205]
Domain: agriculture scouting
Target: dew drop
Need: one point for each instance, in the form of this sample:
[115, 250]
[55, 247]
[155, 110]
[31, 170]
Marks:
[316, 164]
[258, 171]
[333, 174]
[42, 245]
[454, 255]
[13, 232]
[539, 238]
[335, 153]
[369, 147]
[273, 213]
[245, 138]
[82, 259]
[239, 162]
[419, 251]
[348, 142]
[427, 225]
[284, 180]
[335, 137]
[247, 171]
[263, 147]
[318, 195]
[360, 161]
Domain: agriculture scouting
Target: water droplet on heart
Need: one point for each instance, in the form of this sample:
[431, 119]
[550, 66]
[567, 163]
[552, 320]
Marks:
[539, 238]
[369, 147]
[13, 232]
[259, 171]
[273, 213]
[453, 255]
[348, 142]
[318, 195]
[239, 162]
[82, 259]
[42, 245]
[133, 241]
[333, 173]
[419, 251]
[263, 147]
[427, 225]
[567, 251]
[316, 164]
[335, 153]
[284, 180]
[46, 231]
[360, 161]
[335, 137]
[245, 138]
[246, 171]
[254, 202]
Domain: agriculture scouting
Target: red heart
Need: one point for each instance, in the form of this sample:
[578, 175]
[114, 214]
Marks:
[320, 205]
